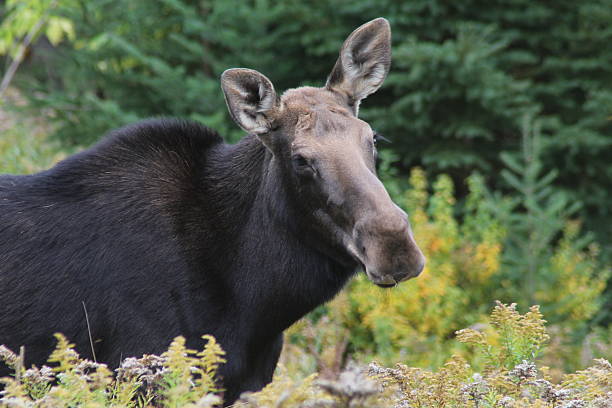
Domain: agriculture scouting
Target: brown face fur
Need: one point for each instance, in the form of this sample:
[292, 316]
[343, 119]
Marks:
[328, 154]
[338, 152]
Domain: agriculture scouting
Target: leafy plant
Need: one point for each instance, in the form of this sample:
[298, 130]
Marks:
[546, 259]
[178, 378]
[508, 343]
[516, 337]
[23, 23]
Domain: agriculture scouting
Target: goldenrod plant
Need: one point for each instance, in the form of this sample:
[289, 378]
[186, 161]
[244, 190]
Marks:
[180, 377]
[508, 342]
[511, 377]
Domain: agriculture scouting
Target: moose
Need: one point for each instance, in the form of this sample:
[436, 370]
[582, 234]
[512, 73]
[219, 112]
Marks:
[162, 229]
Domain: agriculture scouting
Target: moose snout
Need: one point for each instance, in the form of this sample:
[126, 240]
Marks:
[389, 252]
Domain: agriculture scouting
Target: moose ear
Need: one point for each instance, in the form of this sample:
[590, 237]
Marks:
[364, 62]
[251, 99]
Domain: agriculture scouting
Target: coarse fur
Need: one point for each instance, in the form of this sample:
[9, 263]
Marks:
[162, 229]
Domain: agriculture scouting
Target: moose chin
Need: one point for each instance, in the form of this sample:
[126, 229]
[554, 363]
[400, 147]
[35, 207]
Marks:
[162, 229]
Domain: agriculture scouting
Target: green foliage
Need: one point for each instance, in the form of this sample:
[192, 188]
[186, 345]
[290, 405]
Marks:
[542, 212]
[20, 17]
[179, 378]
[516, 337]
[546, 259]
[24, 147]
[510, 378]
[464, 75]
[190, 374]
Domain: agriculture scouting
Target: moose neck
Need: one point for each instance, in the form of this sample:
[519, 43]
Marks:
[274, 271]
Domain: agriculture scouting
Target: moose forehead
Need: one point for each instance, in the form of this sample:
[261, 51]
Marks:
[319, 112]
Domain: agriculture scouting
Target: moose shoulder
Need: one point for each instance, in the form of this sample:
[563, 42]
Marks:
[163, 230]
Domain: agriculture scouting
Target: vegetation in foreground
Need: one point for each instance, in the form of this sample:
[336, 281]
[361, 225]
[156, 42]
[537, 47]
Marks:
[510, 377]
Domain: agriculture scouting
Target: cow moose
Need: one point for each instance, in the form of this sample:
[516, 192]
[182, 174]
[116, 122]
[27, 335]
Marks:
[162, 229]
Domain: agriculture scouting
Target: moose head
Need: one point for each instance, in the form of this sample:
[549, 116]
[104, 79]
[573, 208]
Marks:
[325, 156]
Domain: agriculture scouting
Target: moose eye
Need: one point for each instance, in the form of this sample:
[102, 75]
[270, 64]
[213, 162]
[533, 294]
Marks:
[378, 137]
[302, 165]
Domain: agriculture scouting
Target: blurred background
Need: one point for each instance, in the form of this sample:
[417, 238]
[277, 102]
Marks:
[499, 116]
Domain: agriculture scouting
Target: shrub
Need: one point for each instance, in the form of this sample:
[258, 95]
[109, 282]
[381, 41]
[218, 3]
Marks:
[546, 259]
[509, 378]
[178, 378]
[509, 344]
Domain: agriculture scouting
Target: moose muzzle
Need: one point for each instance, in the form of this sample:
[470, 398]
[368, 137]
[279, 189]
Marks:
[382, 238]
[387, 248]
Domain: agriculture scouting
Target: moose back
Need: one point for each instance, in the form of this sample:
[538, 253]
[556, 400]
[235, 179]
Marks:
[162, 229]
